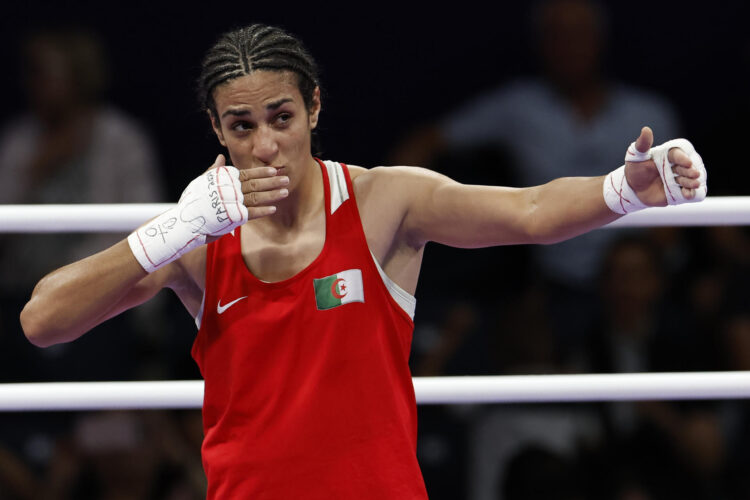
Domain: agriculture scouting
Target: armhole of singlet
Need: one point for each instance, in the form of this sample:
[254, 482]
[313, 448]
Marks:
[209, 255]
[403, 298]
[199, 316]
[339, 194]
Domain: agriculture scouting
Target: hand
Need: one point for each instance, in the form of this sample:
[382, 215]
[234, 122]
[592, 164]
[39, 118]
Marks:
[261, 186]
[645, 177]
[212, 205]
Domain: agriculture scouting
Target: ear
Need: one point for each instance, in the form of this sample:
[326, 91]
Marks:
[315, 108]
[217, 127]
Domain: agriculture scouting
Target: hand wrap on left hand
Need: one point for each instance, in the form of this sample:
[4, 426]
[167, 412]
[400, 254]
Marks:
[622, 199]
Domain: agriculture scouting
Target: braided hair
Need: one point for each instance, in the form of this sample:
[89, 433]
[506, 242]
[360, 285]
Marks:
[256, 47]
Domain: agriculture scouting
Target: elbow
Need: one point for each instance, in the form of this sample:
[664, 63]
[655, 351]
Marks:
[33, 328]
[540, 228]
[38, 329]
[535, 230]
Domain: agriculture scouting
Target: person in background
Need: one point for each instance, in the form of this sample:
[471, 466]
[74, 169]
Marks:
[566, 121]
[69, 146]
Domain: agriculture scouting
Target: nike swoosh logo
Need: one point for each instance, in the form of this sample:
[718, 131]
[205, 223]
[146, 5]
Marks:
[220, 309]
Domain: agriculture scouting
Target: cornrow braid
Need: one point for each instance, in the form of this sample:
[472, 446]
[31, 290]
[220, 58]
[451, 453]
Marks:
[253, 48]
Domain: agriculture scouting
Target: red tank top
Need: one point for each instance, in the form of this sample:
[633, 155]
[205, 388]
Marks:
[308, 393]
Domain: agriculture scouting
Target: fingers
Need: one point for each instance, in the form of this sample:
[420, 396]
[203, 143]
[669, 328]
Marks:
[687, 182]
[678, 157]
[260, 188]
[688, 172]
[257, 212]
[256, 173]
[265, 184]
[220, 161]
[687, 179]
[645, 140]
[689, 194]
[259, 198]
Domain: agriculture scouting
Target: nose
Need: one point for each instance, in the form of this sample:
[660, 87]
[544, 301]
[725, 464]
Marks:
[265, 147]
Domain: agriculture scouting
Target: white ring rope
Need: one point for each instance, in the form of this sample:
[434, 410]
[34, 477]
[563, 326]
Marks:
[80, 218]
[429, 390]
[435, 390]
[87, 218]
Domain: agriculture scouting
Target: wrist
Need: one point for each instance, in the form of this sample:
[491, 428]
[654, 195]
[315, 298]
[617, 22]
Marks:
[211, 205]
[162, 240]
[618, 195]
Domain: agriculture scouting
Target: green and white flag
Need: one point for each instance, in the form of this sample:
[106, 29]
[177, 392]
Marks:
[338, 289]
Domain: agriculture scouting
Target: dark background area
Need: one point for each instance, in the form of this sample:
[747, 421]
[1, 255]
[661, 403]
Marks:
[386, 68]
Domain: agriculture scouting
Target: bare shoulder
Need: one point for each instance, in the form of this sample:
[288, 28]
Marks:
[355, 171]
[385, 196]
[395, 182]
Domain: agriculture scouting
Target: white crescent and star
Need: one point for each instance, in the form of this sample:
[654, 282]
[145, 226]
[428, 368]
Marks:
[336, 290]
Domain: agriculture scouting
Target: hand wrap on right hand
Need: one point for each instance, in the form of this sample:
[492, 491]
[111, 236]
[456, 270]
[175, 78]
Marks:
[211, 205]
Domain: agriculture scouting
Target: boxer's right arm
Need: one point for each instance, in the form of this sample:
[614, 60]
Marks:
[75, 298]
[68, 302]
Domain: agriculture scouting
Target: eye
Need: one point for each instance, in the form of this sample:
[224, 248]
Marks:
[283, 118]
[241, 126]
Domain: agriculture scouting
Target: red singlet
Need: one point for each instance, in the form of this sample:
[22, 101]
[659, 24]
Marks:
[308, 392]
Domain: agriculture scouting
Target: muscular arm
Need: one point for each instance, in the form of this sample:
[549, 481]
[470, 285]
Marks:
[438, 209]
[454, 214]
[73, 299]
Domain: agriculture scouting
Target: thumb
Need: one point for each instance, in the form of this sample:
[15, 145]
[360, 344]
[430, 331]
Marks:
[220, 161]
[645, 140]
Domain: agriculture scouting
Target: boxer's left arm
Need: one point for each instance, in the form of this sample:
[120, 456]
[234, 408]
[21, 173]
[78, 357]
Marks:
[435, 208]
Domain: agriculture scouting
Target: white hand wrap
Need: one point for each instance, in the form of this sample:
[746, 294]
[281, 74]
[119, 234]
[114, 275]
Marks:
[621, 198]
[618, 194]
[211, 205]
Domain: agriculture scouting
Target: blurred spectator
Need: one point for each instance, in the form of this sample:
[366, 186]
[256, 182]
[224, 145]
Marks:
[523, 342]
[736, 413]
[127, 455]
[70, 147]
[571, 121]
[535, 473]
[657, 450]
[17, 481]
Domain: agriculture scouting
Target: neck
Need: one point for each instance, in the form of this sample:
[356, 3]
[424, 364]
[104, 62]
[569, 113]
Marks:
[304, 200]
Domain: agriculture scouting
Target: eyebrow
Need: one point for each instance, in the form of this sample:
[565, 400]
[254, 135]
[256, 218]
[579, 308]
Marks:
[271, 106]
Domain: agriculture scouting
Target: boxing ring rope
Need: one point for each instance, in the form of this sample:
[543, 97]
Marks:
[91, 218]
[429, 390]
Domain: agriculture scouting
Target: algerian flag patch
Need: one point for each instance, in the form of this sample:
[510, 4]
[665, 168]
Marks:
[338, 289]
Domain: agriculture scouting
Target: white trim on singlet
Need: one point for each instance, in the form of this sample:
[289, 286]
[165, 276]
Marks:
[339, 194]
[199, 316]
[403, 298]
[337, 180]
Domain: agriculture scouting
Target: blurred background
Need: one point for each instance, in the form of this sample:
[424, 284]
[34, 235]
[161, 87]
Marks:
[99, 106]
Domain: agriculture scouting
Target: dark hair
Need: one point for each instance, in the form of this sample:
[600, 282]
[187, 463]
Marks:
[256, 47]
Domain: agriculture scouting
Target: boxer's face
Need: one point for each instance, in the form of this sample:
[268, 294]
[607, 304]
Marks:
[263, 121]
